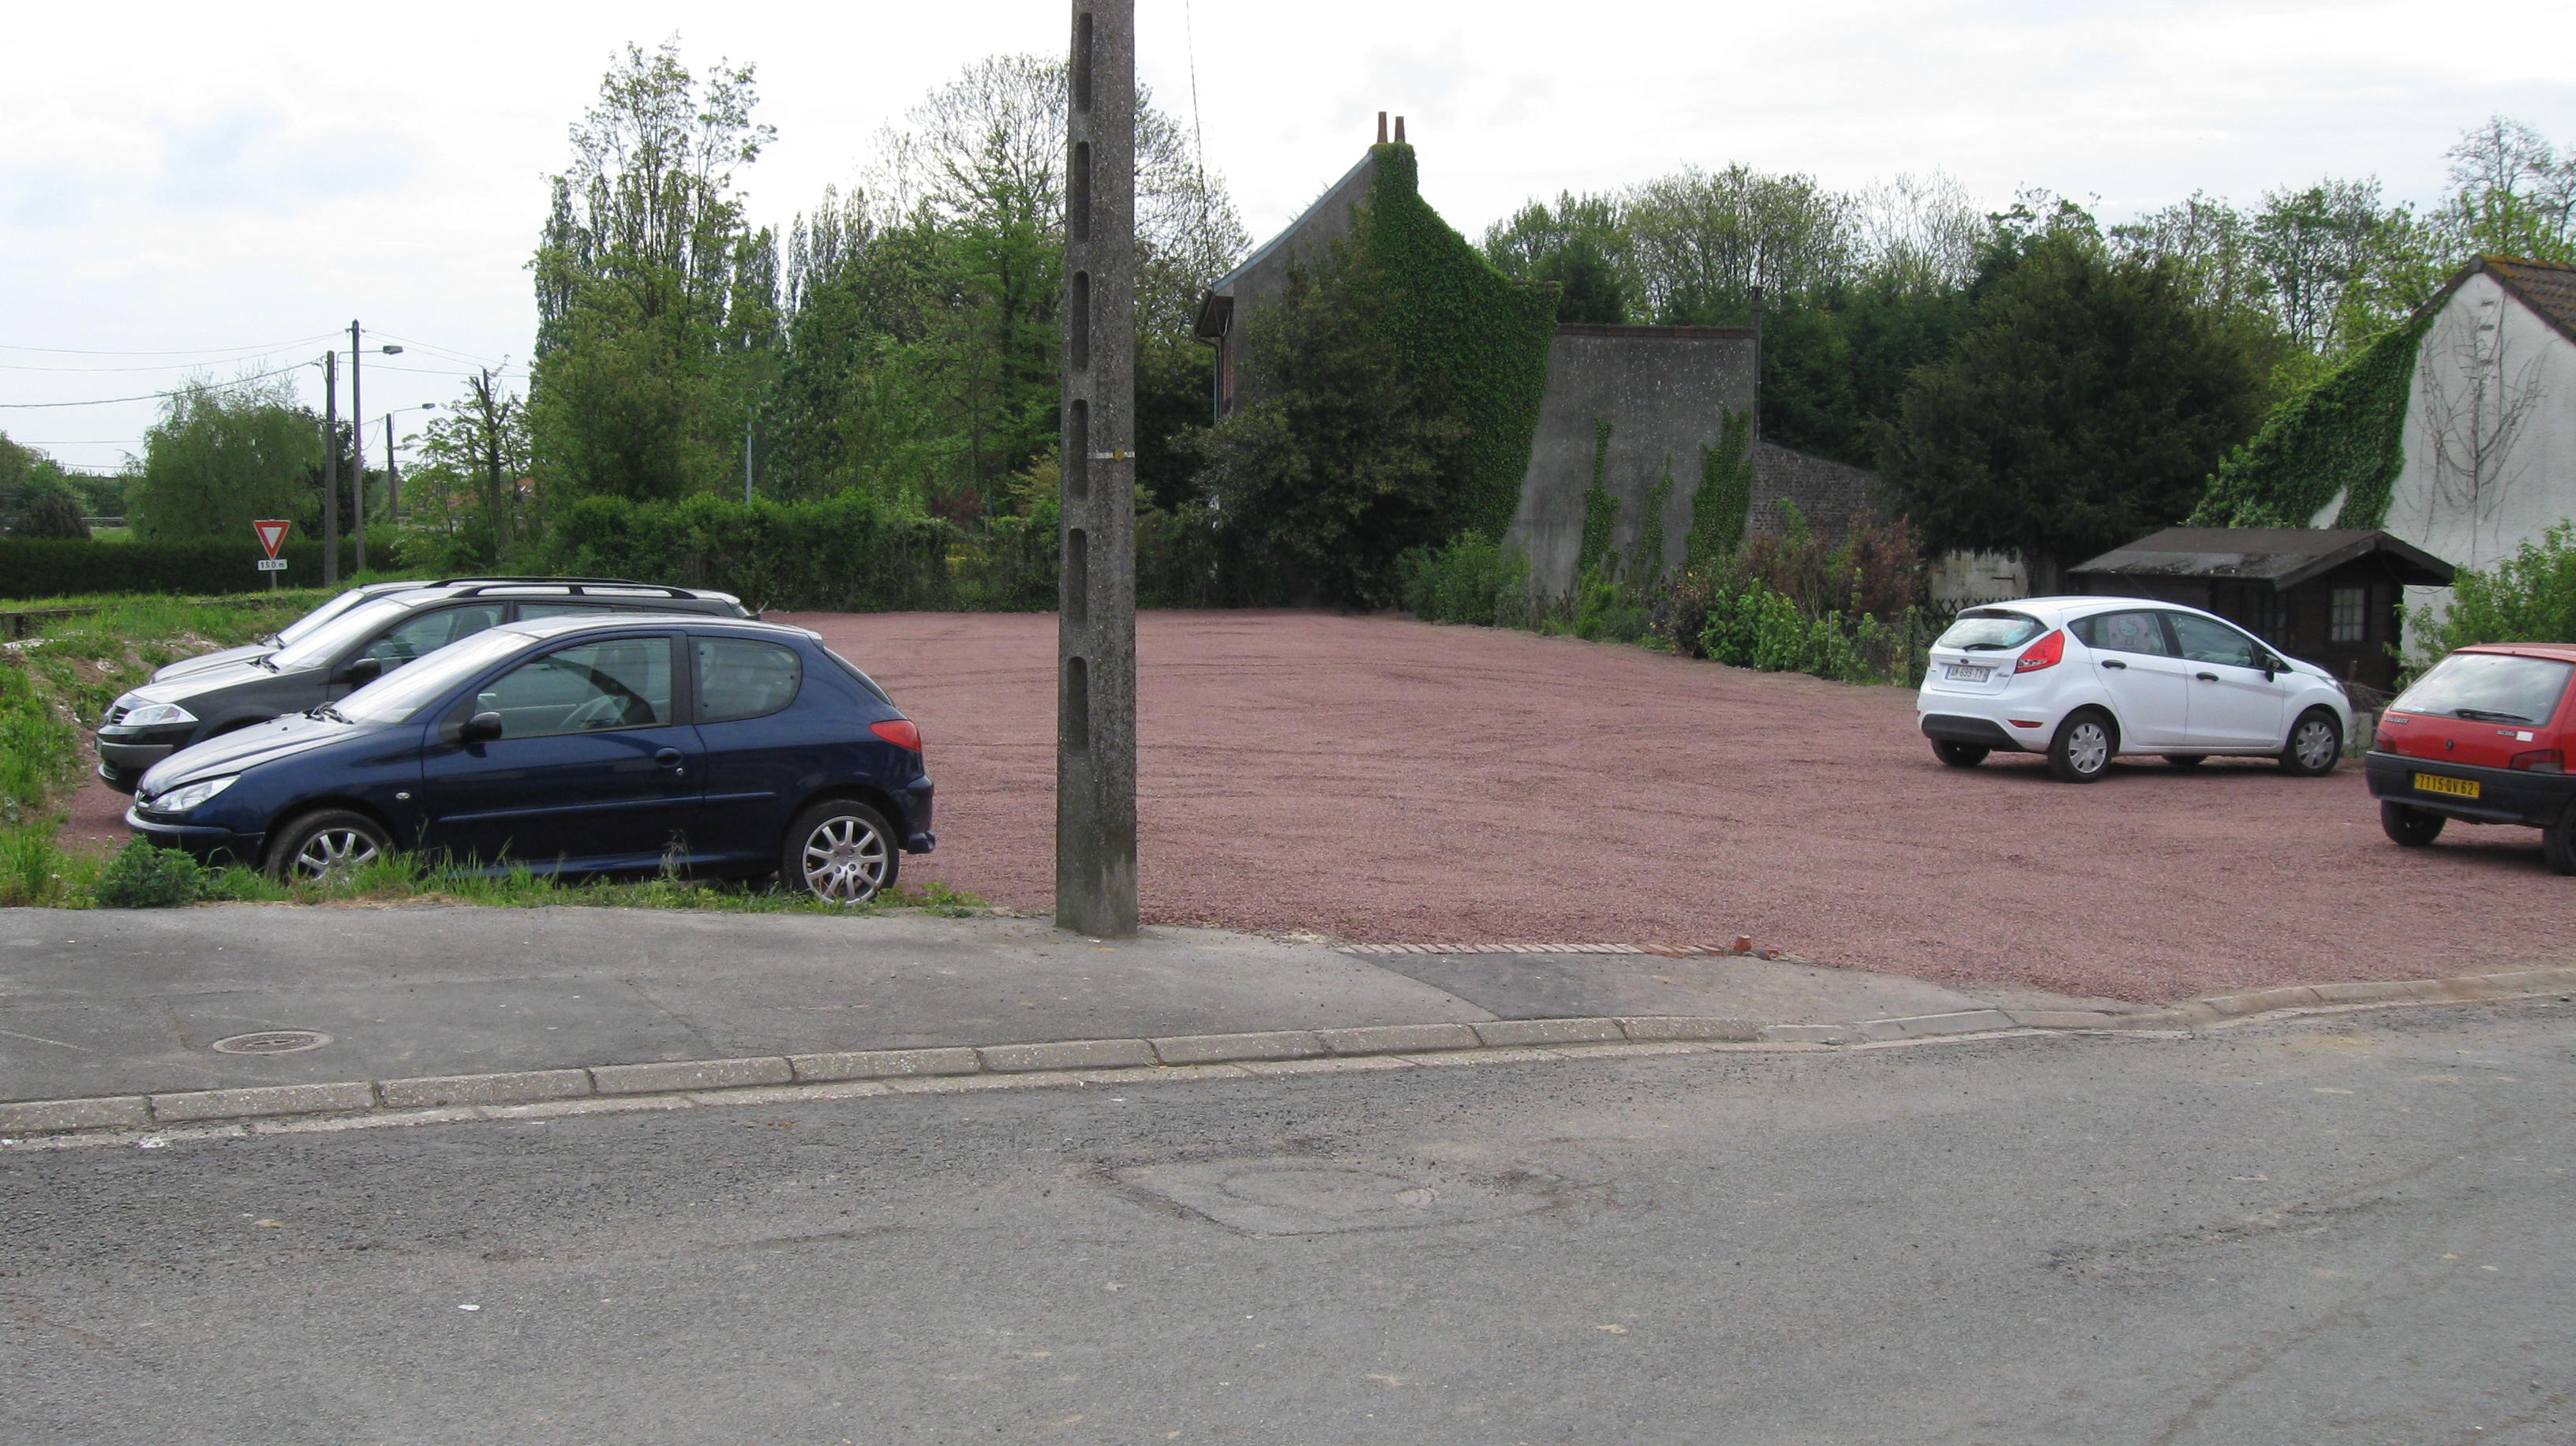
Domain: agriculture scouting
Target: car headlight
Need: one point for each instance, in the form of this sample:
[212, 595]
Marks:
[155, 715]
[190, 795]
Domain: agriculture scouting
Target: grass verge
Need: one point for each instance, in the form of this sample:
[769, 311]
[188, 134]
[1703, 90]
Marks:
[35, 872]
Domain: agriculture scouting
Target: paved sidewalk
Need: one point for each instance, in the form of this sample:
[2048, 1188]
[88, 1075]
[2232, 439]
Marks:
[111, 1002]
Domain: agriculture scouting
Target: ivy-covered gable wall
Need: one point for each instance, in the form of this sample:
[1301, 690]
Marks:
[2340, 438]
[1453, 317]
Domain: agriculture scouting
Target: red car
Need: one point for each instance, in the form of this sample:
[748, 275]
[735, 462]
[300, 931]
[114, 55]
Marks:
[2483, 738]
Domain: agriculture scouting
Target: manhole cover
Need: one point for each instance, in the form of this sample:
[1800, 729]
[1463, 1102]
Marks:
[272, 1041]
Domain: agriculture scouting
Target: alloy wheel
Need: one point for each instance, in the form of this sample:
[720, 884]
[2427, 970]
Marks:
[334, 851]
[844, 860]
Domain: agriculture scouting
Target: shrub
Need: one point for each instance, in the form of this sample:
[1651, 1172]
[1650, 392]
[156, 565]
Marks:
[147, 876]
[2529, 597]
[1469, 579]
[34, 873]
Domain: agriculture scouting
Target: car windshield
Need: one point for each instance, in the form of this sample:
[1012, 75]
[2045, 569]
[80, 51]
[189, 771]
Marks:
[319, 647]
[397, 696]
[2489, 687]
[1981, 628]
[305, 626]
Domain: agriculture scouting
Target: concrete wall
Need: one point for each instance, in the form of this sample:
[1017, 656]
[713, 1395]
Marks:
[1827, 494]
[1958, 578]
[1665, 391]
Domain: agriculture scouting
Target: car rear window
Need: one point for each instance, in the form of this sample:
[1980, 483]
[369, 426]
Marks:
[1981, 628]
[2489, 688]
[859, 676]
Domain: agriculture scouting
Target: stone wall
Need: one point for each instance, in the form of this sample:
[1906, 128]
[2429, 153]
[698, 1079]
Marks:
[1827, 494]
[1665, 392]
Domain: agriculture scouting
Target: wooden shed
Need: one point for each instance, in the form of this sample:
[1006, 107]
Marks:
[2331, 596]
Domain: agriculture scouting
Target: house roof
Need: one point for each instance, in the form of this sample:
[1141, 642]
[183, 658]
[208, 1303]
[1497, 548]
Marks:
[2281, 556]
[2548, 289]
[1218, 301]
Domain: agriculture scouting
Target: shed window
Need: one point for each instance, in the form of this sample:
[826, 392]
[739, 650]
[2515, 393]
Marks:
[2349, 619]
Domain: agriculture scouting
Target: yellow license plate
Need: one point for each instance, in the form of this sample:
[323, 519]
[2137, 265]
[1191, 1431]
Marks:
[2457, 787]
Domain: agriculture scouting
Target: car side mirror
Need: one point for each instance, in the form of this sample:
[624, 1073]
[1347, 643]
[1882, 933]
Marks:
[481, 728]
[359, 672]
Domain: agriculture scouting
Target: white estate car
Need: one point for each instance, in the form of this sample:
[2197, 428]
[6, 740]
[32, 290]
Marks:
[2085, 679]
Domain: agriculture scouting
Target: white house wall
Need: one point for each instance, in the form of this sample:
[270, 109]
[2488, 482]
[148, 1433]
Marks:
[2525, 481]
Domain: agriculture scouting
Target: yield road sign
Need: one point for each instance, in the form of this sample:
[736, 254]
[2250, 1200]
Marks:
[272, 531]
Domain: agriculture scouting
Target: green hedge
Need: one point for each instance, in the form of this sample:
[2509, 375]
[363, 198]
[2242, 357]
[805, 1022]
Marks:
[847, 553]
[63, 567]
[2340, 436]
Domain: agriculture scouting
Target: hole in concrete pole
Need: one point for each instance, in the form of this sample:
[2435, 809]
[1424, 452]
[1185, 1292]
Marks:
[1077, 577]
[1075, 724]
[1077, 339]
[1077, 202]
[1077, 450]
[1082, 61]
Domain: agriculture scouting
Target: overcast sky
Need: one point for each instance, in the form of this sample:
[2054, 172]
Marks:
[223, 185]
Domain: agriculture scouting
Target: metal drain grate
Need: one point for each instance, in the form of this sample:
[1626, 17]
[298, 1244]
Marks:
[272, 1041]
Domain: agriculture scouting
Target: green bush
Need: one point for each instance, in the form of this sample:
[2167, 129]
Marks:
[1469, 579]
[2529, 597]
[32, 567]
[147, 876]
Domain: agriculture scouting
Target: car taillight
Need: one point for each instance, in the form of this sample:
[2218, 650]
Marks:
[900, 732]
[2046, 653]
[2384, 741]
[2542, 760]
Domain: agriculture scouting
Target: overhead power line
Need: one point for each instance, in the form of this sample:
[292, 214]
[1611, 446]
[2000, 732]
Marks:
[154, 396]
[189, 351]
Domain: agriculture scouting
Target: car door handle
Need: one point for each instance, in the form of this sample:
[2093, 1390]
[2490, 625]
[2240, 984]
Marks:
[668, 758]
[2206, 677]
[2113, 663]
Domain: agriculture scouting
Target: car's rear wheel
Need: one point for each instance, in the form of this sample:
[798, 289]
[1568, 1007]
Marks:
[839, 851]
[325, 845]
[2081, 751]
[2316, 744]
[2558, 843]
[2186, 760]
[2409, 827]
[1959, 755]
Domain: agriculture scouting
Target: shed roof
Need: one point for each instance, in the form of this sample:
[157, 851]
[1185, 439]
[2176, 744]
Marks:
[2281, 556]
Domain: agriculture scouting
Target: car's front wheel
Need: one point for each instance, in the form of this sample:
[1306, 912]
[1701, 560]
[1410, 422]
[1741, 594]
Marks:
[2316, 743]
[2081, 751]
[1959, 755]
[839, 851]
[328, 844]
[2409, 827]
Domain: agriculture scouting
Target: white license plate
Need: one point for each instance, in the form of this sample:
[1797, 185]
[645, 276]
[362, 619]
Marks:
[1966, 673]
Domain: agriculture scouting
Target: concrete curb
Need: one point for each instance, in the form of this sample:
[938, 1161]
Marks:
[683, 1084]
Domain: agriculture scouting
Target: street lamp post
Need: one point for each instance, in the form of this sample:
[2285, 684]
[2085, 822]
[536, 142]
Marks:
[393, 479]
[358, 442]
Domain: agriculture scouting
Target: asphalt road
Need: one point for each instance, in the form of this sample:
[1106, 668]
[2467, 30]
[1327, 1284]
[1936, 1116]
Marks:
[2340, 1230]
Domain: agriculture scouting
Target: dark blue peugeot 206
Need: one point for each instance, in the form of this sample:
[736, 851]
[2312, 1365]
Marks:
[575, 745]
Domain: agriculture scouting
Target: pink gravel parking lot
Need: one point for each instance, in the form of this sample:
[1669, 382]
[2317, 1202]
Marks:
[1379, 779]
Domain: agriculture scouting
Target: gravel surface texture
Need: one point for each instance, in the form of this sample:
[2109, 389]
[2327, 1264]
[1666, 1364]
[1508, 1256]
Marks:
[1383, 779]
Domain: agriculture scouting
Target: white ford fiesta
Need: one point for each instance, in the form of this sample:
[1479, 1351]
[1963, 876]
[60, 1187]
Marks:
[2086, 679]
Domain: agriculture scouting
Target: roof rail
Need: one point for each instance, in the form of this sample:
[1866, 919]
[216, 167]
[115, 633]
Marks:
[506, 577]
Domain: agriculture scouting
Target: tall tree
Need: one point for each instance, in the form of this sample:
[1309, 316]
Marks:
[639, 386]
[221, 456]
[2086, 406]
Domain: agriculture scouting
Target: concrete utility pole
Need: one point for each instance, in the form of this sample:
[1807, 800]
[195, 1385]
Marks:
[357, 453]
[330, 469]
[1095, 744]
